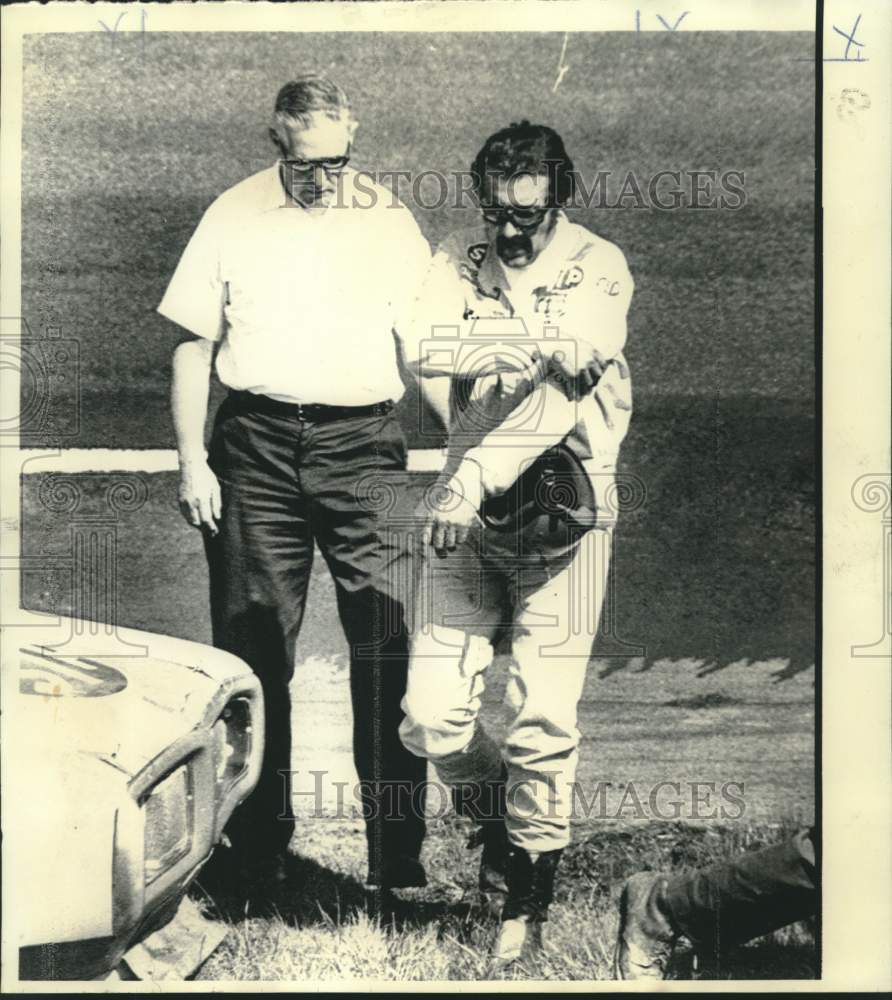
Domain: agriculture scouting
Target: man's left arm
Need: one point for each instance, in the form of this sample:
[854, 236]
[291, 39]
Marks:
[412, 255]
[593, 325]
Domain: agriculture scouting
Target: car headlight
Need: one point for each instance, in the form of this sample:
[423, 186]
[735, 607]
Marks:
[168, 810]
[232, 741]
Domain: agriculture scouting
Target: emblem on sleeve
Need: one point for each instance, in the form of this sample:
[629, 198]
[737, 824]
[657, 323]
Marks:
[471, 274]
[550, 304]
[477, 253]
[468, 273]
[571, 277]
[609, 286]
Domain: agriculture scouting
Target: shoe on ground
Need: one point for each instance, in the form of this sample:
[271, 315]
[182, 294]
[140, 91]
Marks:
[530, 878]
[519, 938]
[645, 939]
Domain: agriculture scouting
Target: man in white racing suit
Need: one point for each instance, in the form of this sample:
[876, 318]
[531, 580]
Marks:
[525, 315]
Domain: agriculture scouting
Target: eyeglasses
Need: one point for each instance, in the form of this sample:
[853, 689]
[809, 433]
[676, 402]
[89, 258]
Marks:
[524, 219]
[330, 164]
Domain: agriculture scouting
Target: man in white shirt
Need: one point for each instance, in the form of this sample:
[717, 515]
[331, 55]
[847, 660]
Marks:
[526, 315]
[293, 283]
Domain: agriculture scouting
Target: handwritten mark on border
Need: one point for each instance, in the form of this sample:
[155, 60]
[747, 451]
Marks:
[662, 20]
[562, 66]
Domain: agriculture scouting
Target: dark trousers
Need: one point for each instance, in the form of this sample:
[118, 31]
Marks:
[287, 482]
[731, 902]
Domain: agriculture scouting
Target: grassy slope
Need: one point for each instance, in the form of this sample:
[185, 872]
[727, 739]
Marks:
[324, 925]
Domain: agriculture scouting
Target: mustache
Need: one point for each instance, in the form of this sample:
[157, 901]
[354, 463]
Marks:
[508, 245]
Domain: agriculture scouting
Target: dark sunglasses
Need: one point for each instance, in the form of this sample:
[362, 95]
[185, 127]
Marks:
[330, 164]
[524, 219]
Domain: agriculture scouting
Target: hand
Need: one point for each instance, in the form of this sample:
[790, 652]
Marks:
[199, 495]
[580, 374]
[448, 525]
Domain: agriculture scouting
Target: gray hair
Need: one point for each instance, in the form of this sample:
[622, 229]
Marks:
[306, 95]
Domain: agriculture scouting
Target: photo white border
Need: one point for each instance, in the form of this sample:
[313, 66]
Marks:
[856, 692]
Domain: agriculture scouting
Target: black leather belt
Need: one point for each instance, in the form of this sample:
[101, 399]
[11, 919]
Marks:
[315, 413]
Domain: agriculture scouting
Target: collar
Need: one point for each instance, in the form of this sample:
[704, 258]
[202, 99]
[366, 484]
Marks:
[489, 277]
[272, 193]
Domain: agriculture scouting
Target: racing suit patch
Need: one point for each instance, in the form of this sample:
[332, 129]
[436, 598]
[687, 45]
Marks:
[477, 253]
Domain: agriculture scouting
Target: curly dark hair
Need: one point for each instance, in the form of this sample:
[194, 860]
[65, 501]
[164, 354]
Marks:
[522, 148]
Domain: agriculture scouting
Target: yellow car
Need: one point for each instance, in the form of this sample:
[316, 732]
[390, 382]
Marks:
[126, 767]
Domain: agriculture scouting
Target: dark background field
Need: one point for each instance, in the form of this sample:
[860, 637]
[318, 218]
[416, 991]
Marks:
[127, 141]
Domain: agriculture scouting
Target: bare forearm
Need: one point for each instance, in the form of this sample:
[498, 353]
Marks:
[189, 396]
[199, 492]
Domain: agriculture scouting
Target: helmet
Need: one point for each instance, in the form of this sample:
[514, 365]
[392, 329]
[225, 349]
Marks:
[556, 485]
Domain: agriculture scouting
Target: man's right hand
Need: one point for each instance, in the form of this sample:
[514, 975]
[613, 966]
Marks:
[579, 374]
[199, 495]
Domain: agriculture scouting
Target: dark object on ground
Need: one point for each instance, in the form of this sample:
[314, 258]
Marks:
[716, 907]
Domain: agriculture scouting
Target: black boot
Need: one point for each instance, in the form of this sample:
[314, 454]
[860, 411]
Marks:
[484, 803]
[530, 892]
[493, 878]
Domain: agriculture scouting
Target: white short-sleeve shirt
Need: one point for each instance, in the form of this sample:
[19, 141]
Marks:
[304, 304]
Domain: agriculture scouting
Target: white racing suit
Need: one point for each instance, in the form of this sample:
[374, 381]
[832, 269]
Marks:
[542, 585]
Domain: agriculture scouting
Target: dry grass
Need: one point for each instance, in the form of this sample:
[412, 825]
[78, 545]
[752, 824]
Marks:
[324, 925]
